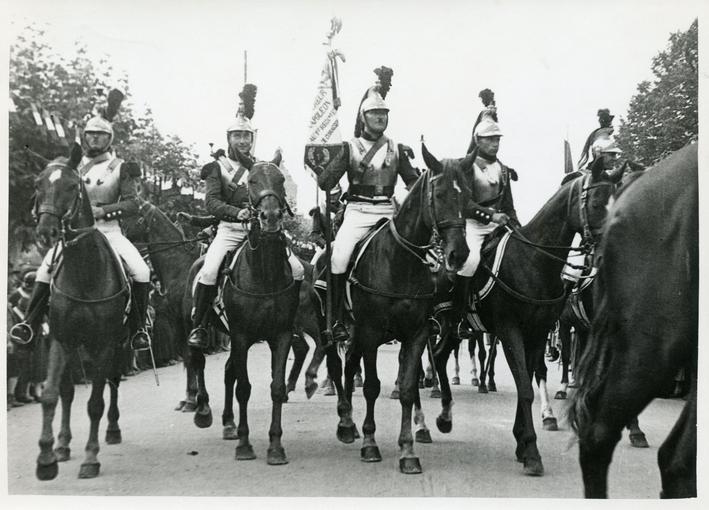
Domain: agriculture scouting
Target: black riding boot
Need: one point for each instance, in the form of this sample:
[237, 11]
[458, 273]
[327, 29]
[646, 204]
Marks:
[339, 331]
[461, 296]
[140, 339]
[25, 331]
[203, 297]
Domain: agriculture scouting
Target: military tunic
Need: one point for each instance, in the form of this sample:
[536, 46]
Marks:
[110, 184]
[371, 186]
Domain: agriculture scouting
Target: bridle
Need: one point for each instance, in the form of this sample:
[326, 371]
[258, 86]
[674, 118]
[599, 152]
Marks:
[589, 232]
[438, 226]
[69, 235]
[147, 215]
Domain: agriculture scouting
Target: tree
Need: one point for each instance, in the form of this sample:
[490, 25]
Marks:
[663, 115]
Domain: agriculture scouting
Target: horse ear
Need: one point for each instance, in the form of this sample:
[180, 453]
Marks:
[75, 156]
[431, 162]
[617, 173]
[244, 159]
[277, 157]
[597, 169]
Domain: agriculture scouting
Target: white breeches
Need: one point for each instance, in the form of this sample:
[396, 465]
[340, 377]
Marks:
[229, 237]
[359, 218]
[137, 269]
[475, 234]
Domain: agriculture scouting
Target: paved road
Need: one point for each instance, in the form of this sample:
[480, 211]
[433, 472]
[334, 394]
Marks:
[163, 453]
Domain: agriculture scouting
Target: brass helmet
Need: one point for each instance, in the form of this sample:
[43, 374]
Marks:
[605, 145]
[373, 98]
[487, 125]
[102, 123]
[244, 113]
[373, 101]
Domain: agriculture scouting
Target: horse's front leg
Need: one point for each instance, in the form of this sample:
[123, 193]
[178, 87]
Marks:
[47, 468]
[442, 353]
[311, 373]
[91, 466]
[300, 351]
[228, 426]
[239, 358]
[66, 392]
[190, 403]
[367, 337]
[346, 428]
[523, 429]
[113, 431]
[637, 436]
[203, 413]
[279, 355]
[411, 351]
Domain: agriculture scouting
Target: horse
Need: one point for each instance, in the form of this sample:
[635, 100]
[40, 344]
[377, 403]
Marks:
[645, 325]
[392, 290]
[87, 307]
[260, 299]
[528, 294]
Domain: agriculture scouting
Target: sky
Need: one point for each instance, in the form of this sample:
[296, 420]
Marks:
[552, 64]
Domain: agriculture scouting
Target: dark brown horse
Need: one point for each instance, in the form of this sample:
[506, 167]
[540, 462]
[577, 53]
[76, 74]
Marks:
[645, 325]
[260, 299]
[392, 293]
[86, 309]
[528, 295]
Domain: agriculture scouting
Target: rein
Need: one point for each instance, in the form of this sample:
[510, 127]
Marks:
[148, 211]
[518, 295]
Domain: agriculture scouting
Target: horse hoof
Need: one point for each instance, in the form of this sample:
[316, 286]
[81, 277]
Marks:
[276, 456]
[310, 389]
[63, 453]
[491, 386]
[423, 436]
[475, 381]
[455, 381]
[394, 395]
[370, 454]
[356, 432]
[638, 440]
[482, 388]
[410, 466]
[550, 424]
[435, 393]
[229, 432]
[203, 419]
[533, 467]
[444, 425]
[245, 452]
[329, 391]
[189, 407]
[346, 434]
[48, 471]
[428, 383]
[113, 437]
[290, 387]
[89, 470]
[560, 395]
[180, 405]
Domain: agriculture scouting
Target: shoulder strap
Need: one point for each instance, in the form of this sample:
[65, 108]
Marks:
[383, 140]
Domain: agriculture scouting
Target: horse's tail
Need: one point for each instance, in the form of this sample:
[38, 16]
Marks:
[592, 369]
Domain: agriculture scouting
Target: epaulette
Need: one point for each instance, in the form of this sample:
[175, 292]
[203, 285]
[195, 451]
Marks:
[513, 173]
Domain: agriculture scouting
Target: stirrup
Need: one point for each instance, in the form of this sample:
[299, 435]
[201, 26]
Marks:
[16, 333]
[195, 339]
[139, 346]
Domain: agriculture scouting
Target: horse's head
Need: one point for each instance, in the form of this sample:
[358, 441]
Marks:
[266, 191]
[445, 197]
[589, 195]
[58, 196]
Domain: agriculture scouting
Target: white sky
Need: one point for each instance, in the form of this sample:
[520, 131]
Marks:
[552, 64]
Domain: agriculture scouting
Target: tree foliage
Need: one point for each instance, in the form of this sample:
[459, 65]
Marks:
[70, 87]
[663, 115]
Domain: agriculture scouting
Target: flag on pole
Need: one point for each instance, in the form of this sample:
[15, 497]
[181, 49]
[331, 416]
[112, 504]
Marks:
[35, 114]
[324, 140]
[568, 161]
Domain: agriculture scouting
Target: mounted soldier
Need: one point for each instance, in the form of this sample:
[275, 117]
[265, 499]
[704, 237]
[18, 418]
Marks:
[491, 204]
[227, 199]
[372, 162]
[111, 185]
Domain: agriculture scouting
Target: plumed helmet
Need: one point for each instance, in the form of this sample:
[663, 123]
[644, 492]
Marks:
[102, 123]
[245, 111]
[604, 131]
[373, 98]
[487, 126]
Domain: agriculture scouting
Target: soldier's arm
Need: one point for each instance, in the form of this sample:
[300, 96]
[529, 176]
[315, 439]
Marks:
[127, 205]
[408, 173]
[213, 201]
[507, 205]
[335, 169]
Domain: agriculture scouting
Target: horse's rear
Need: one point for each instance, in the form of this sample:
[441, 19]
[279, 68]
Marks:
[646, 323]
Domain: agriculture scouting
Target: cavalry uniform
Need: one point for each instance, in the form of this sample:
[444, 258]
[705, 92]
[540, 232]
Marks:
[489, 181]
[226, 196]
[372, 165]
[111, 185]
